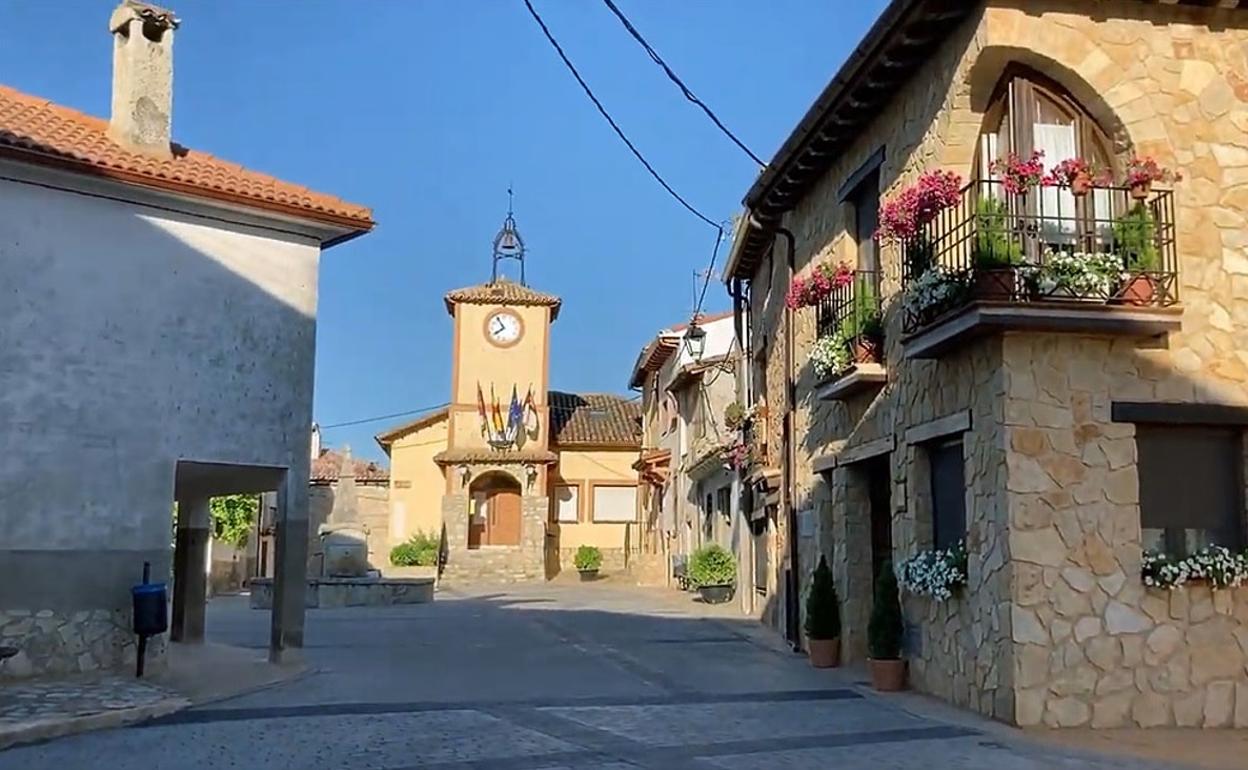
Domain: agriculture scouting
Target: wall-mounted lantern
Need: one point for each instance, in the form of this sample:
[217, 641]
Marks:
[695, 340]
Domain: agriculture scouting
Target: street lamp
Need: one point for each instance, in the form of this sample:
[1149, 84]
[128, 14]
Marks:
[695, 340]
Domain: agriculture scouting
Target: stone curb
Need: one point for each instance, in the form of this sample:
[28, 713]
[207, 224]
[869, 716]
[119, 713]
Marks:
[46, 729]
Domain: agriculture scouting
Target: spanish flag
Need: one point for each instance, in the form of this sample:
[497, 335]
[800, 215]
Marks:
[485, 420]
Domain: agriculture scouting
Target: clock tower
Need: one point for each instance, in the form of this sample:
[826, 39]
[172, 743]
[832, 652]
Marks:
[498, 452]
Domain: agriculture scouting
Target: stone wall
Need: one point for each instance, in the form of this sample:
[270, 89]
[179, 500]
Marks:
[1093, 644]
[1055, 628]
[57, 643]
[495, 564]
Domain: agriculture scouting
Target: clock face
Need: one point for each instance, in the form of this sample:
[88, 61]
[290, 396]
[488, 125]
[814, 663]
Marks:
[503, 328]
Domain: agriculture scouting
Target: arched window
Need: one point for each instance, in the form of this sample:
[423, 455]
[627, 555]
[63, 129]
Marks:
[1030, 113]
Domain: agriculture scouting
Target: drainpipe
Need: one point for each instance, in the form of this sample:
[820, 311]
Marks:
[793, 589]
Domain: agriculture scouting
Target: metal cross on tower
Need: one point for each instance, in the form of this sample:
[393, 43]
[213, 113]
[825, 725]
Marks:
[508, 244]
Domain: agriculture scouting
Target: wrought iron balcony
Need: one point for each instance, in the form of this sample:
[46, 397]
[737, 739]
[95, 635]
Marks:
[850, 320]
[1104, 261]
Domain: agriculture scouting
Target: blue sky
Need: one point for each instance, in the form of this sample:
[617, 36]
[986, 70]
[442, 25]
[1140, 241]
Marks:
[427, 111]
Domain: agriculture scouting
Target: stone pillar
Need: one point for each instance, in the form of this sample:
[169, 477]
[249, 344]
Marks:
[290, 569]
[190, 564]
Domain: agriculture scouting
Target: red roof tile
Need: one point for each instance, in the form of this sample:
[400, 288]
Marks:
[594, 419]
[502, 292]
[37, 131]
[327, 469]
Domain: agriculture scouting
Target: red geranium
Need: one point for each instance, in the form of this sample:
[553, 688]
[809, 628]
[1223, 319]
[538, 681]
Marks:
[1018, 175]
[1065, 173]
[823, 279]
[903, 216]
[1142, 171]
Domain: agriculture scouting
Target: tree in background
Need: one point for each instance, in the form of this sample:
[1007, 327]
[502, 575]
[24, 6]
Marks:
[233, 518]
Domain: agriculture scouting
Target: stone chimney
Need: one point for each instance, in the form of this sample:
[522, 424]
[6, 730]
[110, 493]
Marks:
[142, 77]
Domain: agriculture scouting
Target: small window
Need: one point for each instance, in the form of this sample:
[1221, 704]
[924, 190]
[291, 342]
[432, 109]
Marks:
[723, 502]
[615, 504]
[948, 493]
[866, 202]
[1191, 488]
[567, 504]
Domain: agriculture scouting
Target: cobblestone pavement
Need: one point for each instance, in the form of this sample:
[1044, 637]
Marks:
[546, 678]
[78, 696]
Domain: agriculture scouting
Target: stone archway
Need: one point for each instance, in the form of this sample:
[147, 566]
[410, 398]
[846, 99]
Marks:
[496, 510]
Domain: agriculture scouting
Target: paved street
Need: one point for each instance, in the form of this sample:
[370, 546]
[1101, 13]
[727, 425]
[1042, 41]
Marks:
[544, 678]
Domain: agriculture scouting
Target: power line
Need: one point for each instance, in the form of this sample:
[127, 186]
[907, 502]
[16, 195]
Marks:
[615, 126]
[426, 410]
[384, 417]
[679, 83]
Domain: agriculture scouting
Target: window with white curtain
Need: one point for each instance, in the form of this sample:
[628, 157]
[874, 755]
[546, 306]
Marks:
[567, 504]
[615, 504]
[1030, 113]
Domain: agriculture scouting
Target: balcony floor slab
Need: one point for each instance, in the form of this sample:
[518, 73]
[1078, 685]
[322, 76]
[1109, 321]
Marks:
[984, 318]
[861, 377]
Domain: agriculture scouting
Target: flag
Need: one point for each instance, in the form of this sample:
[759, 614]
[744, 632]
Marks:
[514, 414]
[485, 422]
[495, 413]
[530, 413]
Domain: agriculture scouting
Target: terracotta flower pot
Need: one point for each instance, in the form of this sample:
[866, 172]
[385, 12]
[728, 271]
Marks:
[1138, 290]
[866, 350]
[824, 653]
[887, 675]
[1081, 185]
[996, 284]
[1141, 190]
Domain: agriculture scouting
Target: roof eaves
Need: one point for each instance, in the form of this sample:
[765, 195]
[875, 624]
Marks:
[811, 147]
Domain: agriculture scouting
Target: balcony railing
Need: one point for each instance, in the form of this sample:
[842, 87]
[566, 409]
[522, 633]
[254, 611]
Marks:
[1110, 246]
[856, 303]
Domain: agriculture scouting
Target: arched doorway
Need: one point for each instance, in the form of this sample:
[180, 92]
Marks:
[495, 516]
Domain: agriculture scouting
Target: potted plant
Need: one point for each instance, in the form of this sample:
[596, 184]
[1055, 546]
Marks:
[995, 254]
[713, 571]
[1019, 175]
[1135, 236]
[819, 285]
[867, 343]
[588, 560]
[1143, 172]
[734, 415]
[1078, 275]
[1077, 174]
[823, 619]
[884, 630]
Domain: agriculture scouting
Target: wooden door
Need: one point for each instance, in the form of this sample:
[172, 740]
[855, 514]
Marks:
[503, 521]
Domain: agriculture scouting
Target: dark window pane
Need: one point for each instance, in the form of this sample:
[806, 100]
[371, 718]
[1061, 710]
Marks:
[1191, 487]
[948, 494]
[866, 200]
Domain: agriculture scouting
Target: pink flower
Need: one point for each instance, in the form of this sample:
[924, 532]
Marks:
[1018, 175]
[902, 216]
[1142, 171]
[823, 280]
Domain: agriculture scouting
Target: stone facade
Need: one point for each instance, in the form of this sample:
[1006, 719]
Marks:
[57, 643]
[1056, 627]
[490, 564]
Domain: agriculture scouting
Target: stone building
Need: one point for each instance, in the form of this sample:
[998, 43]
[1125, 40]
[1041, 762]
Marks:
[687, 488]
[514, 476]
[342, 490]
[159, 327]
[1057, 422]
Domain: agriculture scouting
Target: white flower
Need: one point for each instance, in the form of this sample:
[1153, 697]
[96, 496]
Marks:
[1215, 564]
[831, 355]
[935, 287]
[934, 573]
[1077, 274]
